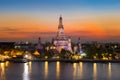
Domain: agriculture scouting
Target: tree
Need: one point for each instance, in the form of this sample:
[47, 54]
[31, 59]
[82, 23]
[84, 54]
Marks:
[91, 50]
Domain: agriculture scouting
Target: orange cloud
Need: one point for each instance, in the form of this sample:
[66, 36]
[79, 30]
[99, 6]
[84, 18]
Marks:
[88, 29]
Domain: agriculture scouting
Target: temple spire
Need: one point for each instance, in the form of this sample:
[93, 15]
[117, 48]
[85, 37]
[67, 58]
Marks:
[60, 22]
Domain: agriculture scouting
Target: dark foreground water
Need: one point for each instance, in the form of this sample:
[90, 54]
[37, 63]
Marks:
[59, 71]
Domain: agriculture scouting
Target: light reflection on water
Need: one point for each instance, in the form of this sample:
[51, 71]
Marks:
[77, 70]
[109, 71]
[46, 69]
[74, 70]
[94, 71]
[2, 69]
[81, 69]
[30, 67]
[27, 70]
[59, 71]
[7, 63]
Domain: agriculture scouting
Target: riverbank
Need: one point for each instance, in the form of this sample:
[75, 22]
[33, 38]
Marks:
[76, 61]
[61, 60]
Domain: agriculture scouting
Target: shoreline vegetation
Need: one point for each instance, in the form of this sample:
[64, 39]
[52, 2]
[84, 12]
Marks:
[93, 52]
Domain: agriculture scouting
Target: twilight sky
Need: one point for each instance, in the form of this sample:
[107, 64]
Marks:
[26, 20]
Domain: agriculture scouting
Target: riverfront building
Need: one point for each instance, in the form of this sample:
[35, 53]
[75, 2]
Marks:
[61, 41]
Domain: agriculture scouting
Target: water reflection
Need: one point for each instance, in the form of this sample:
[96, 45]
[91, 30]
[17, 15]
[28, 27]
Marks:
[77, 70]
[27, 70]
[94, 71]
[30, 66]
[46, 69]
[2, 71]
[109, 70]
[57, 69]
[81, 69]
[74, 70]
[7, 63]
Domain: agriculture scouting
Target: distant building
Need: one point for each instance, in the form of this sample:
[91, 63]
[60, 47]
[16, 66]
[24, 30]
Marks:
[61, 41]
[80, 46]
[39, 46]
[25, 46]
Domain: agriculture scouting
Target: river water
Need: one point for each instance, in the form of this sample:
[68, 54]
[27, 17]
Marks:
[59, 71]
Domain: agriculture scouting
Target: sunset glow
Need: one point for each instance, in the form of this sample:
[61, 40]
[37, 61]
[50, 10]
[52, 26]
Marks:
[26, 20]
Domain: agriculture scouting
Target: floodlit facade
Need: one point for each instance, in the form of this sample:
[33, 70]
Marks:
[61, 41]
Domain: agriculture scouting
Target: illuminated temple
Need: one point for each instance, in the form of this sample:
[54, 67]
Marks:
[61, 41]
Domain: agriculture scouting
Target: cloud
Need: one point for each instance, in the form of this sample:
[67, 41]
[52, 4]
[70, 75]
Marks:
[35, 33]
[81, 32]
[9, 29]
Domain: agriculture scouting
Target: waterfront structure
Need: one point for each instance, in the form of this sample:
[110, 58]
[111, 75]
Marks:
[80, 50]
[61, 41]
[80, 46]
[39, 44]
[39, 50]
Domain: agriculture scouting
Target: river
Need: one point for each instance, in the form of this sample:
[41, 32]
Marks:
[59, 71]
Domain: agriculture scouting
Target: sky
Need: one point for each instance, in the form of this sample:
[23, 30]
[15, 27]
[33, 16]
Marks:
[91, 20]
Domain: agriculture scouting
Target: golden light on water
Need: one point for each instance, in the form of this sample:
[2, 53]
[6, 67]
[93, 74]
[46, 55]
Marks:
[74, 70]
[57, 69]
[2, 68]
[81, 69]
[94, 71]
[7, 63]
[26, 72]
[109, 70]
[46, 69]
[30, 66]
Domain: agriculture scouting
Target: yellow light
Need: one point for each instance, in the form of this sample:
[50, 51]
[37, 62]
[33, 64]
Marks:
[26, 72]
[109, 70]
[58, 57]
[46, 57]
[57, 69]
[46, 69]
[79, 57]
[105, 58]
[30, 66]
[19, 53]
[94, 71]
[47, 48]
[26, 56]
[94, 57]
[81, 68]
[36, 53]
[14, 56]
[110, 54]
[75, 69]
[2, 66]
[7, 63]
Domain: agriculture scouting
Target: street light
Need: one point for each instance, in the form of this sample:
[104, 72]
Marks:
[26, 56]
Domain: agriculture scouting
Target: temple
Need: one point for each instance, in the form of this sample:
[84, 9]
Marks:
[61, 41]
